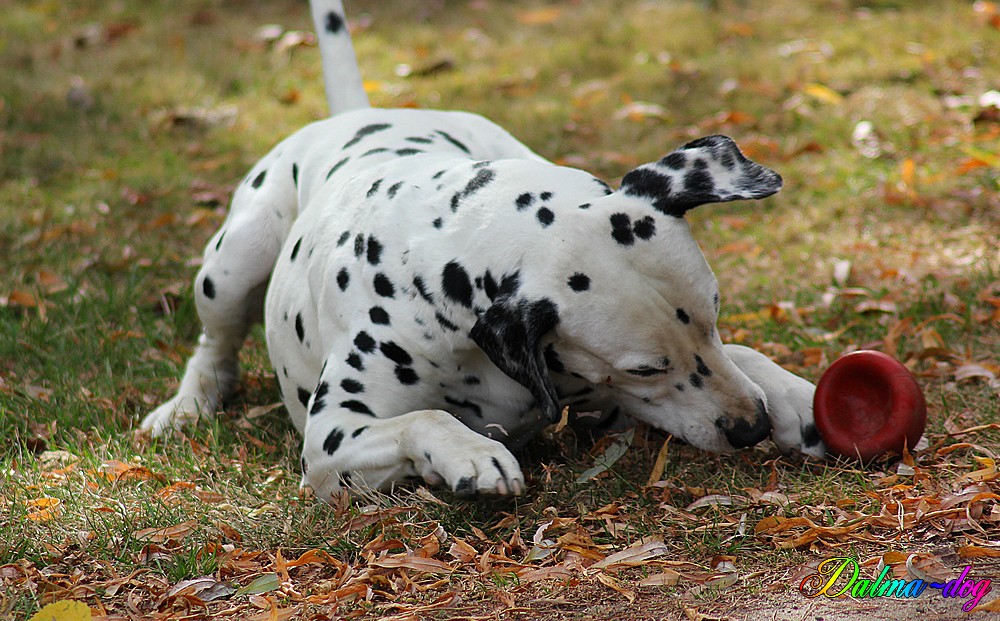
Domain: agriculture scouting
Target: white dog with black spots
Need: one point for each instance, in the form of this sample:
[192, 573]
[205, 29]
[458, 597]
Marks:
[434, 293]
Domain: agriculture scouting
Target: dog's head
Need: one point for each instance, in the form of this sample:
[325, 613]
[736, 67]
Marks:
[626, 299]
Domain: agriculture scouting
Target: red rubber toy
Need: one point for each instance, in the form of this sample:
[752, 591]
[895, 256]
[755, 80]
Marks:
[868, 404]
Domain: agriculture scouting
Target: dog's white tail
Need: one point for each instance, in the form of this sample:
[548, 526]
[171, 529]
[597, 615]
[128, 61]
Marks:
[341, 76]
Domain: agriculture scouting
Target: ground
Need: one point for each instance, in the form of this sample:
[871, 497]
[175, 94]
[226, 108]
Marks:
[125, 126]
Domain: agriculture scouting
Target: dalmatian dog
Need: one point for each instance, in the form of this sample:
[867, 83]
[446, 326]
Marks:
[435, 293]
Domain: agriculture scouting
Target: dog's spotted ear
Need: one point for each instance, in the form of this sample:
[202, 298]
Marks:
[510, 332]
[708, 170]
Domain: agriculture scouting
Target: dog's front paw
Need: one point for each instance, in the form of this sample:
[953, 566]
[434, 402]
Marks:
[477, 465]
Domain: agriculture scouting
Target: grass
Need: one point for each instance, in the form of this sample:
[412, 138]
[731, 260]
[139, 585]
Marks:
[105, 205]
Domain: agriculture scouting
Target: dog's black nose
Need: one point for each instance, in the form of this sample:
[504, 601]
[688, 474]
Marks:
[741, 434]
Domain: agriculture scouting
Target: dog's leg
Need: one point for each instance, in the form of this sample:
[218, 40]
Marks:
[789, 401]
[346, 445]
[229, 291]
[341, 76]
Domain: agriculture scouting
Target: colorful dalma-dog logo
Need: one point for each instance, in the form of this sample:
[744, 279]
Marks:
[841, 577]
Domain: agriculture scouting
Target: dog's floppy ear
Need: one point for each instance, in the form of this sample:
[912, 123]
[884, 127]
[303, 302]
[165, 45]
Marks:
[510, 332]
[708, 170]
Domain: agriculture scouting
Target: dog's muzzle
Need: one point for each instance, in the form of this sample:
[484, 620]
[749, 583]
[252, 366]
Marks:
[741, 434]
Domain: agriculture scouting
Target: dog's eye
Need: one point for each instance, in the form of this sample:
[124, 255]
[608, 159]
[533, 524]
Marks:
[646, 371]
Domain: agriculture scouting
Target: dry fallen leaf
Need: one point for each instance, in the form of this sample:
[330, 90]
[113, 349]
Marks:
[43, 509]
[164, 533]
[633, 556]
[415, 563]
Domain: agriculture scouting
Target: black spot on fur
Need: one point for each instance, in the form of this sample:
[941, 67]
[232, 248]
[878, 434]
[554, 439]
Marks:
[295, 174]
[584, 206]
[453, 141]
[303, 395]
[418, 282]
[208, 288]
[408, 151]
[456, 284]
[318, 399]
[683, 316]
[300, 331]
[679, 387]
[604, 187]
[354, 361]
[259, 179]
[383, 286]
[443, 321]
[332, 442]
[419, 140]
[621, 229]
[471, 380]
[644, 228]
[674, 161]
[359, 431]
[359, 245]
[304, 465]
[393, 189]
[367, 130]
[295, 249]
[698, 182]
[334, 23]
[357, 407]
[496, 464]
[343, 238]
[364, 342]
[701, 368]
[378, 315]
[406, 376]
[374, 189]
[336, 167]
[655, 187]
[509, 284]
[395, 353]
[489, 285]
[465, 405]
[374, 151]
[728, 160]
[524, 201]
[374, 251]
[695, 380]
[352, 386]
[545, 216]
[483, 177]
[343, 279]
[579, 282]
[437, 223]
[545, 196]
[219, 243]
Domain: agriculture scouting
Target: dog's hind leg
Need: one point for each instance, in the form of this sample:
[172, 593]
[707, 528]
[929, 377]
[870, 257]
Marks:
[229, 290]
[341, 76]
